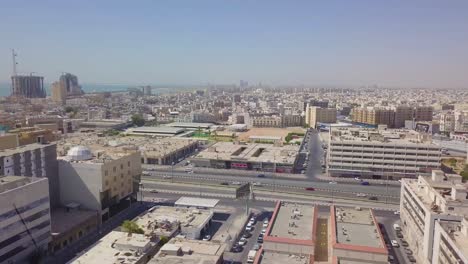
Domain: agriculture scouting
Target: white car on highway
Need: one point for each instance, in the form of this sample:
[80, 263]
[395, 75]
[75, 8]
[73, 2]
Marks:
[236, 183]
[361, 195]
[333, 182]
[257, 184]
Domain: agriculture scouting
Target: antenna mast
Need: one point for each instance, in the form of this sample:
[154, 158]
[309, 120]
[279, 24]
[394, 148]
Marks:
[13, 55]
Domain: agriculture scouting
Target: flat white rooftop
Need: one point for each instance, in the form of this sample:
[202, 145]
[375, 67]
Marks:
[116, 247]
[282, 258]
[196, 202]
[294, 221]
[357, 227]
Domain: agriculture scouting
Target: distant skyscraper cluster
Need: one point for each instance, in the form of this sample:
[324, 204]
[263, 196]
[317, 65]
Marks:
[66, 86]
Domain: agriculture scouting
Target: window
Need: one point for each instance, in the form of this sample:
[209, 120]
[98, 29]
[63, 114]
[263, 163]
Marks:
[121, 166]
[115, 178]
[114, 169]
[106, 172]
[128, 163]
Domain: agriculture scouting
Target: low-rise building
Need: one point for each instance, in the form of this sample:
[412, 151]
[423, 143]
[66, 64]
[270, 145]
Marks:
[180, 250]
[160, 131]
[170, 221]
[24, 218]
[248, 156]
[380, 154]
[292, 230]
[356, 236]
[426, 200]
[70, 223]
[316, 115]
[119, 247]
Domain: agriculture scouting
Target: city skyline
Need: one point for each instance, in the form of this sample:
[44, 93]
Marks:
[418, 44]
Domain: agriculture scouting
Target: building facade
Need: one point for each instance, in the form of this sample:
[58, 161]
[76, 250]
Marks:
[33, 160]
[316, 115]
[28, 86]
[24, 218]
[361, 153]
[423, 202]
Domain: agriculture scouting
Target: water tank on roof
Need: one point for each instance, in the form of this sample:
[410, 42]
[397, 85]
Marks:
[79, 153]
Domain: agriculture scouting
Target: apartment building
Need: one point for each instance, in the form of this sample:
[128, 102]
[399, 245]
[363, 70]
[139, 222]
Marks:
[388, 154]
[447, 122]
[394, 117]
[315, 114]
[24, 216]
[373, 116]
[100, 180]
[424, 202]
[266, 121]
[461, 121]
[450, 242]
[33, 160]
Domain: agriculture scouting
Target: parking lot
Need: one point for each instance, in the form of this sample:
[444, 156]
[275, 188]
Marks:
[401, 253]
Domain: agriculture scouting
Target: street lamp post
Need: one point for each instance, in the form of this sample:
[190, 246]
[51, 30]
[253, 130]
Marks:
[172, 172]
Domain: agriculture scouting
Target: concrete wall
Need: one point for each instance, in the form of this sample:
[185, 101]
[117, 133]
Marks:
[361, 257]
[80, 183]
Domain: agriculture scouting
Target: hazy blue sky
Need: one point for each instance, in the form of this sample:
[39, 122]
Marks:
[395, 43]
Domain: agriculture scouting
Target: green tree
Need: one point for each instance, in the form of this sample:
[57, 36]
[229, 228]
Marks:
[138, 120]
[132, 227]
[163, 240]
[68, 109]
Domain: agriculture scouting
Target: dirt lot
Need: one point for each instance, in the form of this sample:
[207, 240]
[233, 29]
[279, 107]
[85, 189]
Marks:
[267, 131]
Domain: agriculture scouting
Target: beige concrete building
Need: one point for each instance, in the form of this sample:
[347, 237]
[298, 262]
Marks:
[450, 242]
[59, 93]
[180, 250]
[266, 121]
[356, 236]
[380, 154]
[8, 140]
[447, 122]
[248, 156]
[373, 116]
[100, 179]
[424, 202]
[119, 247]
[316, 115]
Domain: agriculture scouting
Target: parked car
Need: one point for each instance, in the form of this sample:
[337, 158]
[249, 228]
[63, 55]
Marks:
[256, 247]
[207, 238]
[391, 258]
[261, 175]
[310, 189]
[373, 198]
[404, 243]
[252, 220]
[399, 235]
[224, 183]
[242, 241]
[265, 223]
[365, 183]
[411, 259]
[260, 238]
[263, 231]
[396, 212]
[395, 243]
[237, 248]
[246, 235]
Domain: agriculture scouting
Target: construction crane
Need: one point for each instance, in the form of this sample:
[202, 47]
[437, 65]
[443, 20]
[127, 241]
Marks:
[13, 56]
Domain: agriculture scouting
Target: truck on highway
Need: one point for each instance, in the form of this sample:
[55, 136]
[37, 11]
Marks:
[251, 256]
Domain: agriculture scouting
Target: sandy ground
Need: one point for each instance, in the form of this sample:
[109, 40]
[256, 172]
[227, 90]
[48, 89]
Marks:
[269, 131]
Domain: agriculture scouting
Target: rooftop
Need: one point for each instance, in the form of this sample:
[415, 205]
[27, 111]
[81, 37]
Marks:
[116, 247]
[458, 235]
[270, 257]
[357, 227]
[159, 130]
[11, 182]
[196, 202]
[441, 193]
[165, 219]
[251, 152]
[293, 221]
[21, 149]
[185, 251]
[64, 220]
[190, 125]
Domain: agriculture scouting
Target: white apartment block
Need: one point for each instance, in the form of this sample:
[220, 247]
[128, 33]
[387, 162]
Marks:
[423, 202]
[447, 122]
[369, 153]
[461, 121]
[24, 217]
[450, 242]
